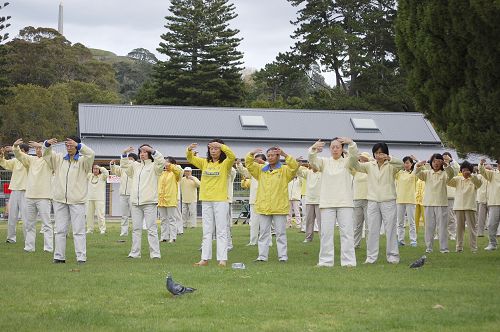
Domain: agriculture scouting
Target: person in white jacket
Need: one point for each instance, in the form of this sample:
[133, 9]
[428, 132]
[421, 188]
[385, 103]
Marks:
[96, 198]
[17, 200]
[493, 178]
[38, 196]
[336, 200]
[294, 196]
[144, 196]
[70, 194]
[125, 188]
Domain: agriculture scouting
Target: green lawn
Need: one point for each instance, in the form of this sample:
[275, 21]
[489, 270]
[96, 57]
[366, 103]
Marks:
[114, 293]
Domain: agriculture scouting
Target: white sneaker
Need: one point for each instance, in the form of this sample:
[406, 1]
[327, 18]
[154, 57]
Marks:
[428, 251]
[90, 232]
[444, 251]
[103, 232]
[490, 248]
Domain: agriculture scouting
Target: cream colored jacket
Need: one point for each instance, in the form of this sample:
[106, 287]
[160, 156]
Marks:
[125, 182]
[97, 185]
[39, 180]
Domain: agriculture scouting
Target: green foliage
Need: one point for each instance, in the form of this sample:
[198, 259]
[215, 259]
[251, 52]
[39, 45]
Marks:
[43, 57]
[203, 60]
[450, 50]
[4, 82]
[4, 24]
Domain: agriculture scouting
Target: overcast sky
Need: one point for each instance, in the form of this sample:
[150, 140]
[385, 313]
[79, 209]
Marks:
[120, 26]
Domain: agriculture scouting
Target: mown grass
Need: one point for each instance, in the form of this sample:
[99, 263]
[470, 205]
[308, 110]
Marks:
[114, 293]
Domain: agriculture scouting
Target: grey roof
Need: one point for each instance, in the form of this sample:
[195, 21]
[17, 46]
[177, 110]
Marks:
[291, 125]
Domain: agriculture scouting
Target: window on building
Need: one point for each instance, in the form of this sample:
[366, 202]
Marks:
[253, 122]
[364, 124]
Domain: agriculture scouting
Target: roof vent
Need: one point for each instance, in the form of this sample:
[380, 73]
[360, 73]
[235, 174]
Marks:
[252, 122]
[364, 125]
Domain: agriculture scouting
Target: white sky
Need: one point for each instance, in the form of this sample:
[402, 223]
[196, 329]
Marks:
[120, 26]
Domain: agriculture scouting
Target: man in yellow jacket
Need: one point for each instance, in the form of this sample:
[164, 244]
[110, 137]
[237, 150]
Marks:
[18, 187]
[38, 196]
[272, 202]
[70, 194]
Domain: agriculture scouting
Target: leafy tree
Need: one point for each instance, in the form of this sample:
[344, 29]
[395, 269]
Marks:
[450, 50]
[203, 60]
[4, 24]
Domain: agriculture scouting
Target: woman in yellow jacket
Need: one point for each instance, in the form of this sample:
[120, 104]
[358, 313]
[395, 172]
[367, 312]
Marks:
[406, 187]
[168, 183]
[493, 178]
[144, 196]
[272, 204]
[215, 171]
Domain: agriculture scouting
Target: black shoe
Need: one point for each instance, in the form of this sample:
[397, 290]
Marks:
[81, 262]
[59, 261]
[10, 241]
[259, 261]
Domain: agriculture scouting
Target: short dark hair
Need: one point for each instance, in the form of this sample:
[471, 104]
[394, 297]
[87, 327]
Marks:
[75, 138]
[447, 154]
[24, 147]
[150, 156]
[261, 156]
[97, 166]
[467, 165]
[272, 148]
[408, 158]
[380, 146]
[222, 154]
[171, 160]
[133, 155]
[436, 156]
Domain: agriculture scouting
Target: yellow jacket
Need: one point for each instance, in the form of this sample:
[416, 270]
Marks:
[245, 183]
[19, 173]
[381, 185]
[144, 175]
[466, 191]
[493, 178]
[406, 187]
[435, 192]
[168, 184]
[125, 182]
[214, 176]
[97, 185]
[360, 185]
[189, 189]
[39, 179]
[313, 184]
[70, 174]
[272, 192]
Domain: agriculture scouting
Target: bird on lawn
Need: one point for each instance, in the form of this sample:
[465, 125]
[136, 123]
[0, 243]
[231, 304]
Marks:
[175, 288]
[419, 262]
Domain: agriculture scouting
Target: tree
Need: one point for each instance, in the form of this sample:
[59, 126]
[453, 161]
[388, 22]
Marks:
[203, 60]
[4, 24]
[4, 82]
[450, 51]
[142, 55]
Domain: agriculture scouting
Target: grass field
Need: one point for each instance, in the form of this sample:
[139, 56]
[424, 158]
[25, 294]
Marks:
[453, 292]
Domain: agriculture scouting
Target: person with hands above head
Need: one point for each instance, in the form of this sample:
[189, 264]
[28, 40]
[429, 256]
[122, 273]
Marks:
[69, 194]
[168, 192]
[125, 189]
[336, 199]
[406, 189]
[189, 193]
[493, 178]
[96, 198]
[452, 220]
[215, 172]
[144, 196]
[435, 200]
[381, 195]
[272, 202]
[38, 196]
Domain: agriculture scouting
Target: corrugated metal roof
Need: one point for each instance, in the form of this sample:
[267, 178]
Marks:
[172, 121]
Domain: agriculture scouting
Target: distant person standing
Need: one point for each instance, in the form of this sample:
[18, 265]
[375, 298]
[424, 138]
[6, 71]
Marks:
[125, 189]
[96, 198]
[70, 194]
[38, 196]
[17, 201]
[406, 188]
[312, 177]
[493, 178]
[189, 194]
[167, 199]
[294, 196]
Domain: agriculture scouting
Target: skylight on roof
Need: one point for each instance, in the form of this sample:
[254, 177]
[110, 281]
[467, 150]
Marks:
[253, 122]
[364, 124]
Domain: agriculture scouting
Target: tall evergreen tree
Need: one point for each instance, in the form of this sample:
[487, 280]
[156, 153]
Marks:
[203, 65]
[450, 50]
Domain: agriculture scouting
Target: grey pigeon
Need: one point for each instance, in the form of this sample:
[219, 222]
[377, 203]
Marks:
[419, 262]
[175, 288]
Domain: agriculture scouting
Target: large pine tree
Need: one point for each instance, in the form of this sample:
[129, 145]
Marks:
[203, 65]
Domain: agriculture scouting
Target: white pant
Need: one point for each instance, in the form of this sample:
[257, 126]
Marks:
[189, 214]
[360, 219]
[229, 224]
[482, 212]
[17, 206]
[382, 213]
[66, 214]
[125, 207]
[493, 221]
[148, 213]
[214, 215]
[452, 219]
[168, 217]
[254, 226]
[265, 235]
[33, 208]
[95, 207]
[436, 216]
[329, 217]
[294, 210]
[178, 219]
[409, 209]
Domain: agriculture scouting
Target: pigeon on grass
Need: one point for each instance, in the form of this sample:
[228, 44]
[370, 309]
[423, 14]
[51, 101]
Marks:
[175, 288]
[418, 263]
